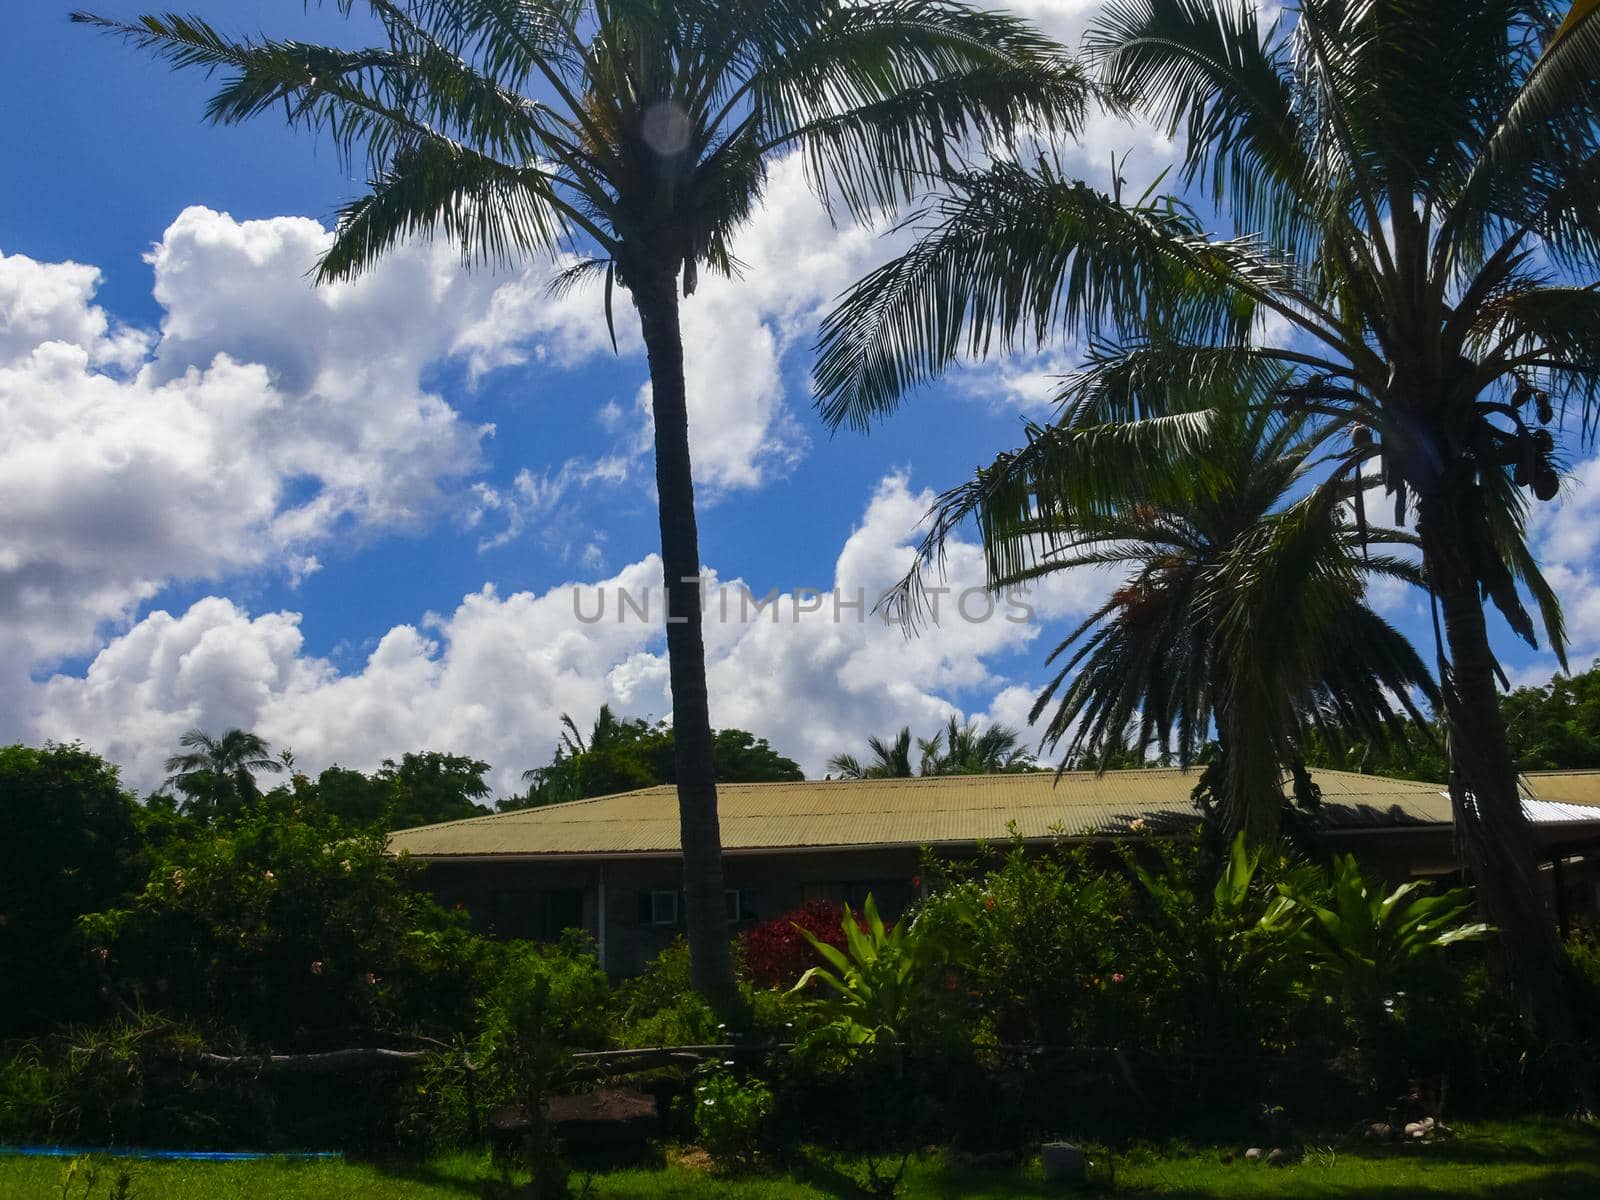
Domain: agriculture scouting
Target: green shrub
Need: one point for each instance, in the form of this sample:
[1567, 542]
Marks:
[286, 926]
[1049, 952]
[732, 1118]
[544, 1002]
[659, 1006]
[29, 1088]
[71, 846]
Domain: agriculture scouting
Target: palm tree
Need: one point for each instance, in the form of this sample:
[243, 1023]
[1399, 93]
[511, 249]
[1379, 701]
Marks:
[1417, 190]
[974, 749]
[636, 133]
[1242, 611]
[218, 774]
[956, 749]
[891, 760]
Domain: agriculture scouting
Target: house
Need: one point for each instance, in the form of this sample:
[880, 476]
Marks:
[611, 865]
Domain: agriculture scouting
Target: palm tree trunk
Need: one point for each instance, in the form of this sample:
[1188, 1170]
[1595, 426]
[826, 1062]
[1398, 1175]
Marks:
[711, 959]
[1493, 836]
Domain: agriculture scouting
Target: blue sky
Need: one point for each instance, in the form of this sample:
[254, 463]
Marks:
[233, 499]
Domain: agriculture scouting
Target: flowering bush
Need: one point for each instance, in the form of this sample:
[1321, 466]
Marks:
[776, 952]
[732, 1118]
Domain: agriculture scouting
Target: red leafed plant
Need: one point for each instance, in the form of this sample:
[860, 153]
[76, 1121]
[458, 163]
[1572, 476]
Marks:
[775, 955]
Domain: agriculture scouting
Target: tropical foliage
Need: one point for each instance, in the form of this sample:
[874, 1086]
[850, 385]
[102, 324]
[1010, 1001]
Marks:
[73, 845]
[629, 143]
[1363, 938]
[1549, 727]
[882, 987]
[622, 754]
[957, 749]
[284, 924]
[217, 776]
[1412, 256]
[1227, 552]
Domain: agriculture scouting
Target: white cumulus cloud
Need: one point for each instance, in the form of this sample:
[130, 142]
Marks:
[813, 674]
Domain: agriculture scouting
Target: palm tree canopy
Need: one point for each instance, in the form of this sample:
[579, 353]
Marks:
[219, 773]
[1417, 187]
[236, 751]
[957, 749]
[1227, 554]
[890, 759]
[639, 128]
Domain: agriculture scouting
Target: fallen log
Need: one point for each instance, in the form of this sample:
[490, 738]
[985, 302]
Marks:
[329, 1061]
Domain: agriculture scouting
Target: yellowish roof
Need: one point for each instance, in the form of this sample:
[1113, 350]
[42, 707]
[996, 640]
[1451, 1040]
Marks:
[1565, 787]
[951, 809]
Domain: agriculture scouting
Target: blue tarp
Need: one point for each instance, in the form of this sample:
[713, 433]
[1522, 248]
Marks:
[165, 1155]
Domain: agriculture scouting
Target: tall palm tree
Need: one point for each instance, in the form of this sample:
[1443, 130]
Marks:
[1243, 608]
[890, 759]
[218, 774]
[637, 134]
[1416, 194]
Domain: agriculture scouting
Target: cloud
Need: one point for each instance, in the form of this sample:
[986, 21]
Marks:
[266, 415]
[1565, 536]
[738, 334]
[813, 674]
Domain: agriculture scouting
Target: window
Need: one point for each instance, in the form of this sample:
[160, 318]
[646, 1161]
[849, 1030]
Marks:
[663, 908]
[536, 914]
[741, 905]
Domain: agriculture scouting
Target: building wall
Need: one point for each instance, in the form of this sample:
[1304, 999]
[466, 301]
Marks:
[643, 896]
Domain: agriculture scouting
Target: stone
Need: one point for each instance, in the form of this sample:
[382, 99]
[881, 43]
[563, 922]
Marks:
[1381, 1131]
[1062, 1162]
[1278, 1158]
[1253, 1154]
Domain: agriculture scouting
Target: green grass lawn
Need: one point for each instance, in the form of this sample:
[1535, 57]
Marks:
[1543, 1160]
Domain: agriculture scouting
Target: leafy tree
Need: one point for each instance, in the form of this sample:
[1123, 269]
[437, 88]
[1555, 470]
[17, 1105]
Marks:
[71, 846]
[742, 757]
[638, 134]
[217, 776]
[1243, 610]
[421, 789]
[1418, 216]
[620, 755]
[429, 787]
[1555, 727]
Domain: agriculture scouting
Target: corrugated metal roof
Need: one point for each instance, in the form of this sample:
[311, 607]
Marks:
[1564, 787]
[1552, 812]
[926, 811]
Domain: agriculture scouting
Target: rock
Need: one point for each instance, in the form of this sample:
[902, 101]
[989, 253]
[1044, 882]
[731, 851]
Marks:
[1278, 1158]
[1381, 1131]
[1253, 1154]
[1062, 1161]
